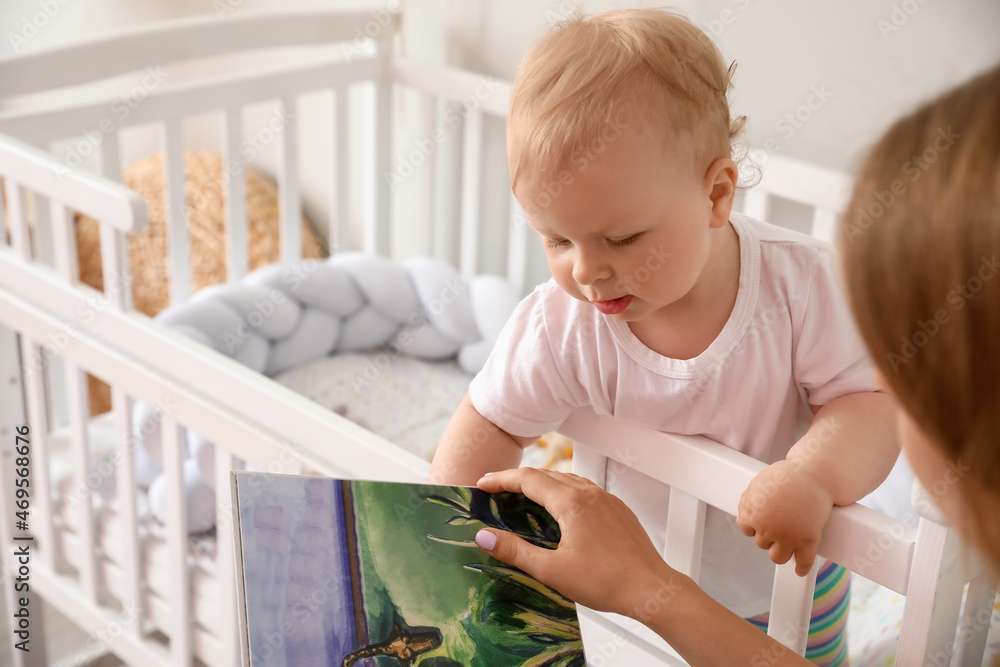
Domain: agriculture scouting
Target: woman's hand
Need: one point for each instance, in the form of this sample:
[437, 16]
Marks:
[604, 560]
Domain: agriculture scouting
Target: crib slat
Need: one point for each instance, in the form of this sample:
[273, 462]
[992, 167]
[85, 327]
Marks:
[81, 507]
[234, 178]
[115, 269]
[34, 396]
[824, 224]
[20, 236]
[425, 218]
[64, 239]
[173, 450]
[517, 247]
[12, 417]
[791, 605]
[340, 222]
[381, 244]
[44, 243]
[472, 152]
[225, 559]
[114, 250]
[3, 219]
[685, 533]
[110, 158]
[125, 443]
[175, 211]
[934, 596]
[755, 203]
[976, 616]
[289, 200]
[587, 462]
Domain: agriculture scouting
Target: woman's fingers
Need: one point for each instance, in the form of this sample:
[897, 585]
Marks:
[515, 551]
[557, 492]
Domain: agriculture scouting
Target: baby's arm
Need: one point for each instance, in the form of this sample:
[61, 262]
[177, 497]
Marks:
[473, 446]
[848, 451]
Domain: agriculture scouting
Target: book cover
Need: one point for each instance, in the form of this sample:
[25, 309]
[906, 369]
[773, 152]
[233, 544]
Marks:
[353, 573]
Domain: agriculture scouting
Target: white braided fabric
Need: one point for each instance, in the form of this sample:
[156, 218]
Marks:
[282, 316]
[285, 315]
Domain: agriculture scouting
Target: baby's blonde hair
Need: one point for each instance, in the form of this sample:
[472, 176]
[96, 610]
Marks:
[573, 82]
[921, 246]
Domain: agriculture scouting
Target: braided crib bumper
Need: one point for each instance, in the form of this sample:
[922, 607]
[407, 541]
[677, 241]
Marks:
[285, 315]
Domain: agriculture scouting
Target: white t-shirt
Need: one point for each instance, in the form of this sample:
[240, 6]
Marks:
[789, 342]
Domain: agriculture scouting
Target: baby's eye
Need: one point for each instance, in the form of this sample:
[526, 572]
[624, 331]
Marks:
[622, 243]
[555, 243]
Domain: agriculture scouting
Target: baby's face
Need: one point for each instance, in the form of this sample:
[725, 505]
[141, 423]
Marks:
[627, 228]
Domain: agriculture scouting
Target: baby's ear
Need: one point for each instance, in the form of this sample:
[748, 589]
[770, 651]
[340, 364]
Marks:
[720, 183]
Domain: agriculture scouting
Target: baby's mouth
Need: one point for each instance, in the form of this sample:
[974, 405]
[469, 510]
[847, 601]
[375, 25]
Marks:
[613, 306]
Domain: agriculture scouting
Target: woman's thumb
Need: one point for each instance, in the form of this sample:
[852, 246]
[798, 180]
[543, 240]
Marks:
[509, 548]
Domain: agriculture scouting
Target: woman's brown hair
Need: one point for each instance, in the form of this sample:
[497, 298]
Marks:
[921, 254]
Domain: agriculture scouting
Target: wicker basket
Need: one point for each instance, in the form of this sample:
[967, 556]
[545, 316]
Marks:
[147, 250]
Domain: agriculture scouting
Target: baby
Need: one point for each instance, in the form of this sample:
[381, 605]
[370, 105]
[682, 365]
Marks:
[668, 310]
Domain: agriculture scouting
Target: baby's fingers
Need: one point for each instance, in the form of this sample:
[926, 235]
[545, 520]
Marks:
[805, 558]
[742, 520]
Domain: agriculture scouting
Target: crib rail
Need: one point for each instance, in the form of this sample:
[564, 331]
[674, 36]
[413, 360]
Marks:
[47, 306]
[921, 563]
[178, 40]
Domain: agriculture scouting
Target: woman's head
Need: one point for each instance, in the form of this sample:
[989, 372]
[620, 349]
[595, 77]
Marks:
[921, 250]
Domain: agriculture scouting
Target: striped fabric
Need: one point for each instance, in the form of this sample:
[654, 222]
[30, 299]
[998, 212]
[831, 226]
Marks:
[827, 644]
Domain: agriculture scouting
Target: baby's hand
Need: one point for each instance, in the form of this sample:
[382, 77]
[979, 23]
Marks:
[785, 509]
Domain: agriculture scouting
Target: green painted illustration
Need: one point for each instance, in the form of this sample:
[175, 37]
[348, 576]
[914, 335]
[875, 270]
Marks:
[408, 585]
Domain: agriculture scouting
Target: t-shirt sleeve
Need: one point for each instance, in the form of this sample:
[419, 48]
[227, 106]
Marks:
[830, 360]
[521, 388]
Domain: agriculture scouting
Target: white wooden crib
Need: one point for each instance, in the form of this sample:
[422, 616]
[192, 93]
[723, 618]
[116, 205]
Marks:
[147, 601]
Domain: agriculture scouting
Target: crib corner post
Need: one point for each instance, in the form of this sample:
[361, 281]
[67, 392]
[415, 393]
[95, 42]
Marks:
[31, 653]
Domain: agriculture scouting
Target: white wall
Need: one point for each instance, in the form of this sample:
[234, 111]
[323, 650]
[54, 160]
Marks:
[858, 63]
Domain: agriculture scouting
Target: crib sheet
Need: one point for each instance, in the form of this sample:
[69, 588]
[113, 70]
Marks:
[405, 400]
[876, 617]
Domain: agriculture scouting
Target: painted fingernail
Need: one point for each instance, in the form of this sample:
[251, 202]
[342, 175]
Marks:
[486, 540]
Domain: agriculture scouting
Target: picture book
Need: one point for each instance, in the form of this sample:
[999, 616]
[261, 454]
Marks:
[351, 573]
